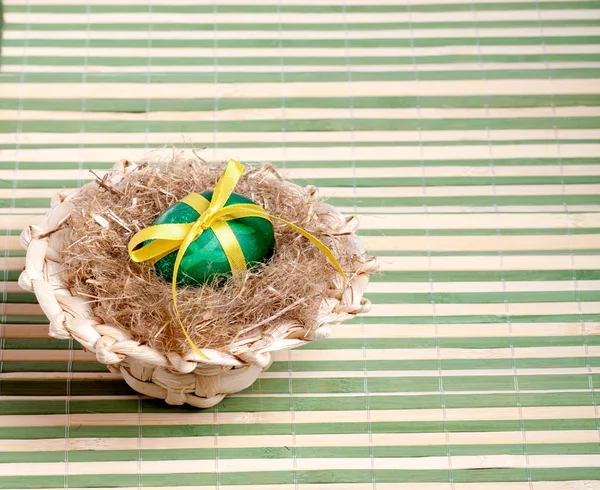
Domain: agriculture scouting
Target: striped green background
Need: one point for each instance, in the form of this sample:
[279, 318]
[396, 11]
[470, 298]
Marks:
[467, 137]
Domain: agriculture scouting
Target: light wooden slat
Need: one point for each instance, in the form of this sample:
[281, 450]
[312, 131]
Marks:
[322, 18]
[284, 51]
[382, 33]
[465, 244]
[397, 331]
[433, 221]
[304, 89]
[300, 113]
[366, 173]
[31, 355]
[264, 2]
[302, 464]
[333, 154]
[333, 416]
[100, 69]
[406, 264]
[317, 440]
[365, 192]
[446, 263]
[322, 137]
[558, 485]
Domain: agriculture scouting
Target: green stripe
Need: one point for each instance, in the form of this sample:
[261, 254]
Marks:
[484, 298]
[305, 477]
[301, 452]
[312, 403]
[458, 276]
[286, 26]
[62, 367]
[24, 319]
[357, 76]
[450, 124]
[294, 26]
[333, 386]
[341, 386]
[434, 364]
[254, 428]
[426, 102]
[276, 61]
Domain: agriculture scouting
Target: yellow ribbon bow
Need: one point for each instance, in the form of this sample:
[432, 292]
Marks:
[167, 238]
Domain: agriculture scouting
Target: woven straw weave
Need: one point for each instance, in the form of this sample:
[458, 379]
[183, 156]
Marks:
[176, 379]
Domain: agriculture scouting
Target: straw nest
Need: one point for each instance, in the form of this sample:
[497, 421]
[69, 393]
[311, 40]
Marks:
[79, 268]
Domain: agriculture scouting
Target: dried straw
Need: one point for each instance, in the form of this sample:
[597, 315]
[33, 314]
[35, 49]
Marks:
[291, 286]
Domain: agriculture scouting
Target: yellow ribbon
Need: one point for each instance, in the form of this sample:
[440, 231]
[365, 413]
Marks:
[167, 238]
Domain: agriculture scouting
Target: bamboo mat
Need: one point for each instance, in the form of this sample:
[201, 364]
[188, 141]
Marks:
[467, 137]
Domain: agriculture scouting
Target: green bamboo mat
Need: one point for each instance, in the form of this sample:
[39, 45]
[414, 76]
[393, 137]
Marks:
[467, 137]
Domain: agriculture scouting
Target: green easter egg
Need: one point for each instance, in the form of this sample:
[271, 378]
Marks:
[204, 259]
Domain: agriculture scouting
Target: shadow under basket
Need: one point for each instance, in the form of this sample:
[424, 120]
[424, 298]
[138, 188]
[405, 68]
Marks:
[176, 378]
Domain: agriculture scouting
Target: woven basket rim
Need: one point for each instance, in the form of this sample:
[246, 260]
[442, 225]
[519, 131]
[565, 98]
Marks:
[71, 317]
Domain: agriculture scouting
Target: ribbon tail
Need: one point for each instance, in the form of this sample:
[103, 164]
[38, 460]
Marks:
[184, 246]
[316, 242]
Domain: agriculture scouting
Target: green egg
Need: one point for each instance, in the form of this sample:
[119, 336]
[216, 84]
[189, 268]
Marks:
[205, 259]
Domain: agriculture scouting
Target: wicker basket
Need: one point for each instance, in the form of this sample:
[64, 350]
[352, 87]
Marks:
[176, 379]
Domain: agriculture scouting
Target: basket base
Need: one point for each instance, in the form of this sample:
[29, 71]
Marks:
[198, 390]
